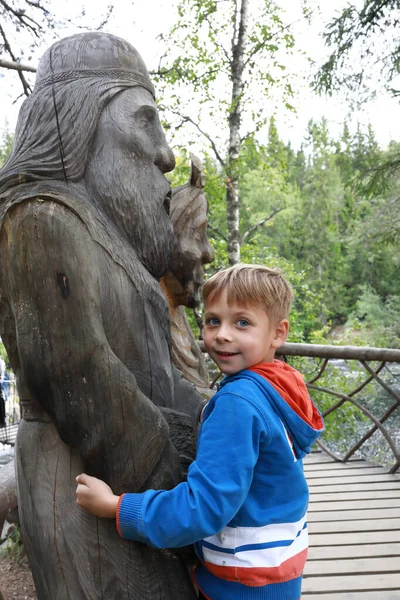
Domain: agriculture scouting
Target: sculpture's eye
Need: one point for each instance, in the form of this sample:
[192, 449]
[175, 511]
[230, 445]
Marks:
[145, 116]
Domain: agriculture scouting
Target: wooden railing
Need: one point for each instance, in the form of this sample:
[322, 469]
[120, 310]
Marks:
[333, 390]
[338, 390]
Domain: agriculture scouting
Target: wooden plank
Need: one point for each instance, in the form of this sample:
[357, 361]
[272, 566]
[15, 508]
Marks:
[347, 583]
[312, 459]
[356, 487]
[356, 464]
[333, 473]
[349, 526]
[353, 495]
[354, 523]
[345, 469]
[381, 503]
[389, 595]
[387, 564]
[360, 537]
[320, 458]
[331, 479]
[350, 515]
[319, 553]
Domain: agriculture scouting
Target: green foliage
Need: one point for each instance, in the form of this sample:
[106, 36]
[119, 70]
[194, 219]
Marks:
[365, 56]
[375, 320]
[14, 548]
[307, 212]
[199, 52]
[222, 62]
[6, 143]
[364, 48]
[3, 352]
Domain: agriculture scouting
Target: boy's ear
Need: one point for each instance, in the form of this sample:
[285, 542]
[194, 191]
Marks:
[281, 333]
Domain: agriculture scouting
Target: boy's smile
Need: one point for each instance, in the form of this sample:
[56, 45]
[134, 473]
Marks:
[238, 337]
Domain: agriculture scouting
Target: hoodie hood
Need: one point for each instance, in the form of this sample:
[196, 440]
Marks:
[287, 393]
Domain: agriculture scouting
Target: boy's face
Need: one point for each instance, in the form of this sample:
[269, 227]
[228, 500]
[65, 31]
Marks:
[238, 337]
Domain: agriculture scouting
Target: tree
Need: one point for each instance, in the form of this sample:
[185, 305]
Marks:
[227, 55]
[365, 48]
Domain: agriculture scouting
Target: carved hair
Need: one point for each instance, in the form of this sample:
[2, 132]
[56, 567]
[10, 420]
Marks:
[254, 285]
[57, 123]
[36, 150]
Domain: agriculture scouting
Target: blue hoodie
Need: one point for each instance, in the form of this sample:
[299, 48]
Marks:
[245, 499]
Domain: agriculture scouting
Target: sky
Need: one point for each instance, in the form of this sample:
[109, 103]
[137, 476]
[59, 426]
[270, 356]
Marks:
[141, 21]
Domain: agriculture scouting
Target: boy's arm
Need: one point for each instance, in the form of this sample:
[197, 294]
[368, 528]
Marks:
[217, 485]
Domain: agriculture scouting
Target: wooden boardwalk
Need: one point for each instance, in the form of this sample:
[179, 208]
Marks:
[354, 525]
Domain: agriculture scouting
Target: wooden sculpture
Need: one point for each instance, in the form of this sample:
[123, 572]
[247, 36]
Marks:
[182, 283]
[84, 238]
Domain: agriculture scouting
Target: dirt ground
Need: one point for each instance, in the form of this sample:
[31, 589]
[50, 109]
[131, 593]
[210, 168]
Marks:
[16, 582]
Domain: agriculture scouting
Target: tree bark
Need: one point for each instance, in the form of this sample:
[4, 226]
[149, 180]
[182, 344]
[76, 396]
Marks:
[232, 187]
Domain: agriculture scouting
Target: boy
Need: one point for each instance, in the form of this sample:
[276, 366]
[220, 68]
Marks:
[245, 500]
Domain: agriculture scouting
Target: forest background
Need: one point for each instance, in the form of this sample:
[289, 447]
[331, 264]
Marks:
[326, 211]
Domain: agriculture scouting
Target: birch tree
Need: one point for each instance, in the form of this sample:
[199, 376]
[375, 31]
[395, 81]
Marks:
[223, 67]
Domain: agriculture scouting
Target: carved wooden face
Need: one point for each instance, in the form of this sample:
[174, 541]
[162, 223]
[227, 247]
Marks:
[192, 250]
[126, 172]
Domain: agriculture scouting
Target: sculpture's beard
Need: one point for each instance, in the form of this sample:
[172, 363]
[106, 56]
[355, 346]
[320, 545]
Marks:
[135, 195]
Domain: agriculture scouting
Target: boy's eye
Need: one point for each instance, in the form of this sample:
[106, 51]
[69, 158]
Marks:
[243, 323]
[213, 321]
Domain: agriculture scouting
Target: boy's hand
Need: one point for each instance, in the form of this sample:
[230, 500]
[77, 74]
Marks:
[96, 496]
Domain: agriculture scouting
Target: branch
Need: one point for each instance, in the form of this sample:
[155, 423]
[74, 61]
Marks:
[106, 18]
[217, 232]
[258, 46]
[159, 64]
[252, 133]
[273, 36]
[186, 119]
[7, 47]
[252, 229]
[15, 102]
[8, 64]
[21, 16]
[220, 46]
[161, 71]
[37, 5]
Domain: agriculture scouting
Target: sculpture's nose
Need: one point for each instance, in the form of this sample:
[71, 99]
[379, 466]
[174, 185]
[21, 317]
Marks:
[208, 254]
[164, 158]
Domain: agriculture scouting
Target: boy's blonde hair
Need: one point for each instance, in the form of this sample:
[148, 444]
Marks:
[254, 285]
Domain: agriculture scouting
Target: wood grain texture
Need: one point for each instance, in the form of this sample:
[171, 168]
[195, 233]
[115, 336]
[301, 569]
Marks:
[322, 553]
[354, 532]
[182, 283]
[346, 583]
[84, 238]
